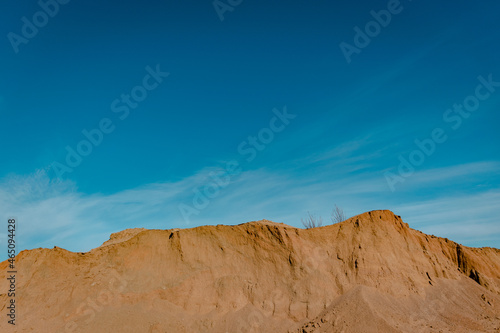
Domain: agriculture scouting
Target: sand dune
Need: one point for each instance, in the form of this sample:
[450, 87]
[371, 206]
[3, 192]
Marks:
[371, 273]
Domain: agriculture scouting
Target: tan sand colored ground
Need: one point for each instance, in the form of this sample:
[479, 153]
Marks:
[370, 273]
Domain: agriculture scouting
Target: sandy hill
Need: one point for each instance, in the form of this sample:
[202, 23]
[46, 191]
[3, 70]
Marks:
[370, 273]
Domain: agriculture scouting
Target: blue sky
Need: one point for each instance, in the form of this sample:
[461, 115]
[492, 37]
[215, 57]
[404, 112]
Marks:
[351, 122]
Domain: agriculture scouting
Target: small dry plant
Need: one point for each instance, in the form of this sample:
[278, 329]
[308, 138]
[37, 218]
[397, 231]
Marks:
[338, 215]
[311, 221]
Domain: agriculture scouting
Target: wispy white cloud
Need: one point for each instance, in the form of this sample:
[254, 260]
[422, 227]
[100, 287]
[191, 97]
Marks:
[52, 212]
[443, 174]
[473, 218]
[56, 213]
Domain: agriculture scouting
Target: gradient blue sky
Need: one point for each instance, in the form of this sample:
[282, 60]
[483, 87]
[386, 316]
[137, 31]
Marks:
[353, 121]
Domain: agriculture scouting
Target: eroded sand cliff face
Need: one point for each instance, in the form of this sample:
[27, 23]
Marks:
[370, 273]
